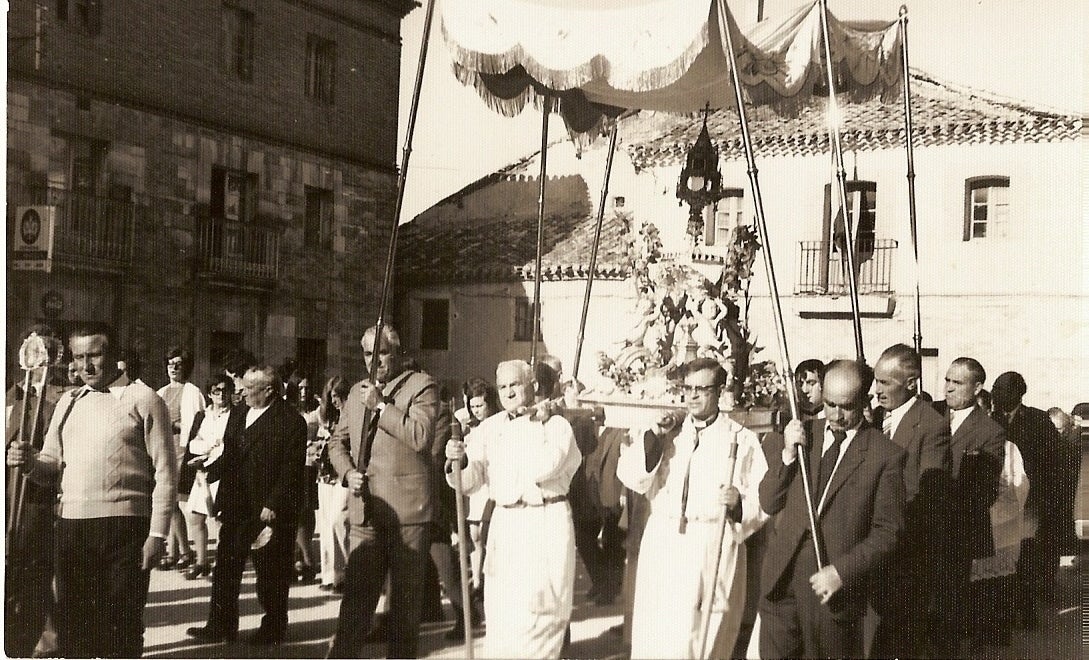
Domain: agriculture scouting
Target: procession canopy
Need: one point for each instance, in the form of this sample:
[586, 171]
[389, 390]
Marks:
[596, 58]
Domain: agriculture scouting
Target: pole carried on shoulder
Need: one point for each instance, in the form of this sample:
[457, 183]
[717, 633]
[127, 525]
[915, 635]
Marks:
[463, 539]
[711, 584]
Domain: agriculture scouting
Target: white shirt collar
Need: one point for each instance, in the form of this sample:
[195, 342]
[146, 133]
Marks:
[957, 417]
[897, 415]
[253, 413]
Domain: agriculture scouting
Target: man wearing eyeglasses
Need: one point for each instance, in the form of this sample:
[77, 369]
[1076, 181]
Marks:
[260, 476]
[683, 466]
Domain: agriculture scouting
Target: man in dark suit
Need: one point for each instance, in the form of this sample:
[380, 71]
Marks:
[260, 476]
[857, 488]
[978, 451]
[381, 449]
[904, 588]
[1039, 441]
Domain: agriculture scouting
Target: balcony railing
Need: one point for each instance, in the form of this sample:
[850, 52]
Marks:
[91, 231]
[822, 271]
[239, 250]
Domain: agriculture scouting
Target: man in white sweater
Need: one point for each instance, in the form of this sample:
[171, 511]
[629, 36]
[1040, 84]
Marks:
[110, 447]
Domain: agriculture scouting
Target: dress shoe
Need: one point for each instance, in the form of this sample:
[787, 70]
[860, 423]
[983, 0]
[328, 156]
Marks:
[185, 561]
[264, 638]
[210, 635]
[305, 573]
[166, 563]
[197, 570]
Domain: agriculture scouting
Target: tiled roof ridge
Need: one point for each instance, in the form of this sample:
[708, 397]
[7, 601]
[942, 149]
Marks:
[1035, 125]
[481, 274]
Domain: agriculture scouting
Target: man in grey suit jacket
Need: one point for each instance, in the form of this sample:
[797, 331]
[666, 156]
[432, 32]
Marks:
[904, 589]
[381, 450]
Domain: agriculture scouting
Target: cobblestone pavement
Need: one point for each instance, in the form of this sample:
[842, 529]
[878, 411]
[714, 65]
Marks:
[174, 604]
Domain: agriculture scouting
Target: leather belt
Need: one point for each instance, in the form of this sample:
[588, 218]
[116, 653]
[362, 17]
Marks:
[522, 505]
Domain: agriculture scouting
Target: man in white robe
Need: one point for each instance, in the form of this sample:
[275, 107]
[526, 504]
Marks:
[683, 471]
[527, 462]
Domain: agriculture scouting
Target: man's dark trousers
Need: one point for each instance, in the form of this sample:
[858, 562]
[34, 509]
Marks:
[382, 547]
[796, 625]
[101, 587]
[274, 568]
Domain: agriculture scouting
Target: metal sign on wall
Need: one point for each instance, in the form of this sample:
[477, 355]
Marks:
[32, 238]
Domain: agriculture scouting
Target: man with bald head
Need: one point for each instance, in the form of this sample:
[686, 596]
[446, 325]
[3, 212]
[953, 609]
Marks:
[260, 475]
[810, 608]
[527, 460]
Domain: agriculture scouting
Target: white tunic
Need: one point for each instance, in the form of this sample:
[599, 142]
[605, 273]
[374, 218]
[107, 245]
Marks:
[673, 566]
[530, 559]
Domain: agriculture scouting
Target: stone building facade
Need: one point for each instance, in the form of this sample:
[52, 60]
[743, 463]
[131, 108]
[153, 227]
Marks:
[221, 174]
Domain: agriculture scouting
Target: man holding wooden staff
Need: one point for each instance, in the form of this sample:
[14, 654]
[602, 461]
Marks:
[814, 590]
[693, 473]
[527, 458]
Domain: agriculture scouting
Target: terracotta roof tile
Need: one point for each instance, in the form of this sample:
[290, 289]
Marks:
[446, 244]
[941, 114]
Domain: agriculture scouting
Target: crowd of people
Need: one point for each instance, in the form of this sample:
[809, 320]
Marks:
[878, 523]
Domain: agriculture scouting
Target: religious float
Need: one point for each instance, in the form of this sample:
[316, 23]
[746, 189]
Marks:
[595, 62]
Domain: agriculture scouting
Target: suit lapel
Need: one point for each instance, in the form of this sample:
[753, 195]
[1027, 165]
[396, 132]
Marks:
[852, 458]
[906, 428]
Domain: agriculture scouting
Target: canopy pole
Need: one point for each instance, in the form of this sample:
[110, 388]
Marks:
[402, 175]
[546, 110]
[841, 177]
[725, 24]
[594, 249]
[909, 148]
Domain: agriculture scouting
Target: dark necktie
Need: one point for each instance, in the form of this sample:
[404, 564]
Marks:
[828, 462]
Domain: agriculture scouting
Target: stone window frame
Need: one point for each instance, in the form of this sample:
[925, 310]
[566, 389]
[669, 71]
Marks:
[989, 226]
[523, 320]
[716, 230]
[318, 218]
[236, 42]
[321, 64]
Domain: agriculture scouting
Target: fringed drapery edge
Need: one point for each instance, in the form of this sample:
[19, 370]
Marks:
[596, 68]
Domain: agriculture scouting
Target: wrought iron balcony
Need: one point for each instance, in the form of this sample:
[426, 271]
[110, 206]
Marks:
[823, 271]
[92, 232]
[239, 251]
